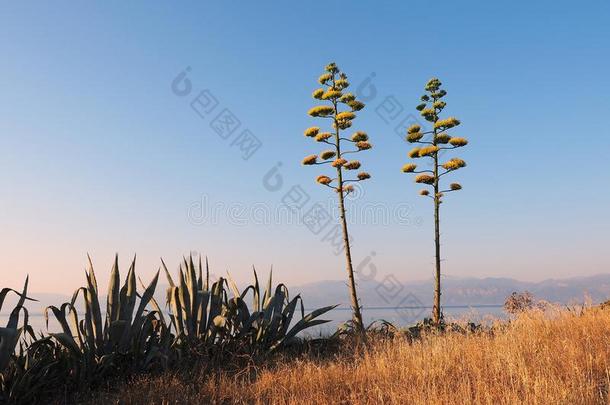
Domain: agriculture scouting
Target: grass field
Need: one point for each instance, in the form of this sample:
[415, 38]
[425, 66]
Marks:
[560, 357]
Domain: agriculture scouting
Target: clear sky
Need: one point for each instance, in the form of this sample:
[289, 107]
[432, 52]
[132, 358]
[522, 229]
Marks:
[99, 155]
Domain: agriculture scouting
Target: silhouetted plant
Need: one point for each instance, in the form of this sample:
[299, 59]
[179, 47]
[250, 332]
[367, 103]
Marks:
[340, 110]
[10, 334]
[519, 302]
[430, 108]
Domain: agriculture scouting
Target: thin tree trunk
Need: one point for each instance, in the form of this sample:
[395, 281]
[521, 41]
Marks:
[437, 275]
[356, 314]
[436, 311]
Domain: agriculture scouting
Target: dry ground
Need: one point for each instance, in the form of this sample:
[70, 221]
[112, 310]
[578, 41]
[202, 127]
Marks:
[557, 358]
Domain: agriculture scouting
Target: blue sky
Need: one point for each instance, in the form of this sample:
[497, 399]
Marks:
[98, 155]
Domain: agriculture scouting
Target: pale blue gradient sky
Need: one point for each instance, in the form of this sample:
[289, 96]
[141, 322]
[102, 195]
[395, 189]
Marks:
[97, 155]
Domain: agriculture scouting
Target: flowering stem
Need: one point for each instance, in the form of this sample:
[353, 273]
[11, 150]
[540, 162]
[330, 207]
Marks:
[436, 312]
[356, 313]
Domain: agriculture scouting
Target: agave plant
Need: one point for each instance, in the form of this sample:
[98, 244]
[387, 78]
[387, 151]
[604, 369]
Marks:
[209, 315]
[10, 334]
[193, 306]
[128, 331]
[36, 371]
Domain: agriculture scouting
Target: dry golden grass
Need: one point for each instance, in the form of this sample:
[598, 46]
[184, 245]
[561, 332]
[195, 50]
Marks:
[559, 358]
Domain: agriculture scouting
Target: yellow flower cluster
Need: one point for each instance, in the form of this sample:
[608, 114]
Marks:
[455, 186]
[310, 160]
[352, 165]
[439, 104]
[342, 83]
[324, 180]
[328, 154]
[424, 192]
[413, 129]
[414, 153]
[345, 115]
[428, 112]
[363, 176]
[360, 136]
[331, 67]
[454, 164]
[346, 189]
[347, 97]
[331, 95]
[447, 123]
[342, 124]
[458, 142]
[363, 145]
[356, 105]
[424, 178]
[317, 93]
[442, 138]
[409, 168]
[414, 137]
[433, 84]
[428, 150]
[324, 78]
[322, 136]
[311, 132]
[321, 111]
[338, 162]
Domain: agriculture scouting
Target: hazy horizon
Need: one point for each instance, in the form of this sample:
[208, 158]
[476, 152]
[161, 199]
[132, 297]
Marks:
[100, 153]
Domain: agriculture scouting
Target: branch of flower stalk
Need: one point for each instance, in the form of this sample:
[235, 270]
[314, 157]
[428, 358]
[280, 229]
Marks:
[321, 163]
[350, 151]
[329, 186]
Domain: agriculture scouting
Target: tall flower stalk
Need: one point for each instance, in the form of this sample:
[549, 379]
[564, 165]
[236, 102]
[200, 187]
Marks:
[339, 109]
[432, 147]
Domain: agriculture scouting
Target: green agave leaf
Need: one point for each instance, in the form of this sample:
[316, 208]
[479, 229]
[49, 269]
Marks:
[8, 341]
[68, 342]
[288, 314]
[202, 314]
[113, 299]
[185, 305]
[200, 276]
[146, 298]
[169, 277]
[233, 286]
[129, 294]
[308, 321]
[153, 301]
[13, 319]
[207, 275]
[60, 316]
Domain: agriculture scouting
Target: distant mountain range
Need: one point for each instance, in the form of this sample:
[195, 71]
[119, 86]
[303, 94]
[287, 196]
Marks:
[456, 291]
[392, 293]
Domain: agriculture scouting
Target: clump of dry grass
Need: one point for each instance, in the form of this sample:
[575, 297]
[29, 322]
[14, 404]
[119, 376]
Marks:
[557, 357]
